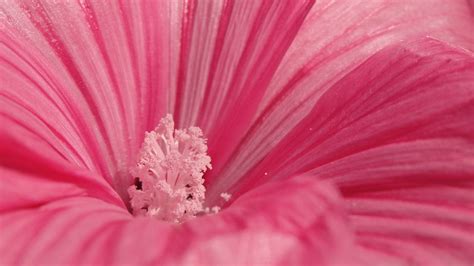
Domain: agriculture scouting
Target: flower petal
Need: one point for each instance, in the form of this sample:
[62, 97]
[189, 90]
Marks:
[229, 51]
[412, 201]
[335, 38]
[294, 221]
[89, 77]
[33, 173]
[392, 97]
[396, 135]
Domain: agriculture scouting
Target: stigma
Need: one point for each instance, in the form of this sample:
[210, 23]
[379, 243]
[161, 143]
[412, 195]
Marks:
[168, 176]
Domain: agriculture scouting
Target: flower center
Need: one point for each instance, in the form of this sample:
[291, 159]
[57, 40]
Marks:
[169, 183]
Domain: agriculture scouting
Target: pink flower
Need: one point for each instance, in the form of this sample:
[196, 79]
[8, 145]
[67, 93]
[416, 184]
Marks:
[343, 131]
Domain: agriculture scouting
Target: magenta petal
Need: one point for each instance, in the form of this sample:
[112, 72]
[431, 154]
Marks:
[298, 221]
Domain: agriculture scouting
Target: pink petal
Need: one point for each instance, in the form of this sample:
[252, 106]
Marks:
[396, 135]
[81, 87]
[229, 53]
[101, 74]
[33, 172]
[87, 77]
[392, 97]
[411, 201]
[335, 38]
[291, 222]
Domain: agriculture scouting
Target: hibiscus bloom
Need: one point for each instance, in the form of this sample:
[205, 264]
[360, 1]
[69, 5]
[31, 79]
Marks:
[342, 131]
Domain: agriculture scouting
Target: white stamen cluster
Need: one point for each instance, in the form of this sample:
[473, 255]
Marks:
[169, 183]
